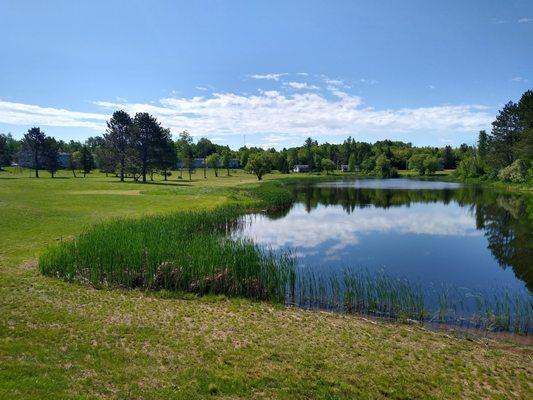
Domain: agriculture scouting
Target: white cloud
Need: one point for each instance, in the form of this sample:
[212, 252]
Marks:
[334, 82]
[302, 73]
[269, 113]
[368, 81]
[301, 85]
[432, 87]
[274, 77]
[497, 21]
[519, 79]
[202, 88]
[28, 114]
[525, 20]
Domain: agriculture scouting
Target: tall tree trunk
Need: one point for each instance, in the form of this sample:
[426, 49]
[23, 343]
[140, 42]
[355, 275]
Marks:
[36, 163]
[122, 163]
[144, 165]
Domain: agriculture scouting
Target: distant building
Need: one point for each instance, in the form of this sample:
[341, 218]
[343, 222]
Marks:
[345, 168]
[197, 163]
[25, 159]
[301, 168]
[233, 163]
[64, 160]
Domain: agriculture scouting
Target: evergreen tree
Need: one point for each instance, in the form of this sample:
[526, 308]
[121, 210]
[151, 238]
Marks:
[34, 141]
[166, 157]
[482, 145]
[50, 155]
[148, 139]
[524, 147]
[449, 161]
[85, 160]
[505, 134]
[5, 154]
[118, 138]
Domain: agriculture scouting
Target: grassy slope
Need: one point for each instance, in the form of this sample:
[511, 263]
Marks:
[60, 340]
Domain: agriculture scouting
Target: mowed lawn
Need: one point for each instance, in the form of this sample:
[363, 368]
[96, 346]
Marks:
[61, 340]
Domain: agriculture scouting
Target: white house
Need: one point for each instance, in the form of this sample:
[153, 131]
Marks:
[301, 168]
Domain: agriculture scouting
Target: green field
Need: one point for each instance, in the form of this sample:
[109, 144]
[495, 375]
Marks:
[65, 340]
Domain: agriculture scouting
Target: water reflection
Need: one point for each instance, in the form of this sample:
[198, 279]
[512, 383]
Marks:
[433, 232]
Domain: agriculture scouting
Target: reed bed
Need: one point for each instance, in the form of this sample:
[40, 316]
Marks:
[186, 251]
[382, 295]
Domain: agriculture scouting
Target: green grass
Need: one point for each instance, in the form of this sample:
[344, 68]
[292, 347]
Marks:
[66, 340]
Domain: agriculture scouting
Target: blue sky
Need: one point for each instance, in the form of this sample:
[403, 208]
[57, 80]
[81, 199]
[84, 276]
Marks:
[432, 73]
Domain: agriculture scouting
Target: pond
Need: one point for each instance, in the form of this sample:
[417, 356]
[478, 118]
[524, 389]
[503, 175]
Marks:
[435, 251]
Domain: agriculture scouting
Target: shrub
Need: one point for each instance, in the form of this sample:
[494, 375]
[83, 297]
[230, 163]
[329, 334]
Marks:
[431, 164]
[416, 162]
[517, 172]
[383, 167]
[470, 167]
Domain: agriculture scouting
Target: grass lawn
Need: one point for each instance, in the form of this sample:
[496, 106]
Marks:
[61, 340]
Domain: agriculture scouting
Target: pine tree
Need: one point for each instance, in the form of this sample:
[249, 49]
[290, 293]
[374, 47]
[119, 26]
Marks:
[505, 134]
[50, 155]
[34, 141]
[118, 138]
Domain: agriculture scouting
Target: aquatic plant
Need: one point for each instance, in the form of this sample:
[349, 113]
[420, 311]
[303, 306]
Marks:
[380, 294]
[187, 251]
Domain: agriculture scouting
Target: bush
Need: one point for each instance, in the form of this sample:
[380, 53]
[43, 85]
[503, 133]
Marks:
[470, 167]
[416, 162]
[431, 165]
[517, 172]
[383, 167]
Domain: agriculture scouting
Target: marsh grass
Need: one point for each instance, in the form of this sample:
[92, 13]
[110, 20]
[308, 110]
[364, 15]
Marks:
[383, 295]
[186, 251]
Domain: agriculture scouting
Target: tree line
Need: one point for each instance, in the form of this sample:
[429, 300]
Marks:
[139, 147]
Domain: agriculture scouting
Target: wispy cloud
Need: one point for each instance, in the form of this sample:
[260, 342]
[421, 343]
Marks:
[525, 20]
[202, 88]
[368, 81]
[270, 113]
[431, 87]
[302, 73]
[273, 77]
[301, 85]
[519, 79]
[498, 21]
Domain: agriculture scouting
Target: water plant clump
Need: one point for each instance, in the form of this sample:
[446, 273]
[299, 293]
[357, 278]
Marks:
[383, 295]
[186, 251]
[362, 292]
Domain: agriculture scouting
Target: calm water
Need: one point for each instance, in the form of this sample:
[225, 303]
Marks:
[443, 237]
